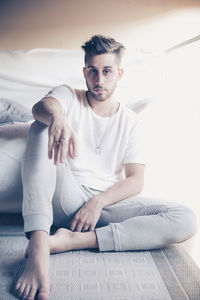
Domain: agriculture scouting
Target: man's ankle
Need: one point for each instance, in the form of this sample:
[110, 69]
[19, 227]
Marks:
[38, 234]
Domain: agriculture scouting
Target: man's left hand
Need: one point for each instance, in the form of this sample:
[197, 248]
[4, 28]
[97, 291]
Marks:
[87, 216]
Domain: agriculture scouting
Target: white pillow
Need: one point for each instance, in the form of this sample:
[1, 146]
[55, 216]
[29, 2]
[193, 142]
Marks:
[11, 111]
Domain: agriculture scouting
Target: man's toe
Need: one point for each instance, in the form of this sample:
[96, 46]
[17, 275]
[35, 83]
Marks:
[32, 293]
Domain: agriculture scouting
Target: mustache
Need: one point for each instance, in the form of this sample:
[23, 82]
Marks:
[98, 87]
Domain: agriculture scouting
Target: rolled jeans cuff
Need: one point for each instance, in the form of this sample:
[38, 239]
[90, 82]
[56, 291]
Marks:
[37, 222]
[107, 238]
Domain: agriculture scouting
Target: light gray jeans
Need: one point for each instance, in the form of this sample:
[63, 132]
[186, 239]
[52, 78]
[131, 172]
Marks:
[51, 195]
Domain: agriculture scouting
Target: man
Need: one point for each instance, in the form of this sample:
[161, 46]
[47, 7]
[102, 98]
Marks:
[92, 140]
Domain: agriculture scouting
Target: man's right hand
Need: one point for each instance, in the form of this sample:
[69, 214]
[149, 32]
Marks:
[62, 139]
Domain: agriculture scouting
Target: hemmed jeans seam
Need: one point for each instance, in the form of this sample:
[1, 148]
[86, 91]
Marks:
[105, 238]
[116, 237]
[35, 226]
[35, 214]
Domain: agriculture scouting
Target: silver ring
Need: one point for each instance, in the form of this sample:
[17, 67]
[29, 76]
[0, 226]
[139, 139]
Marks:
[60, 141]
[84, 229]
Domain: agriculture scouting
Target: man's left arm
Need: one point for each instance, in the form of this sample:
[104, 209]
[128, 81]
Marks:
[88, 215]
[130, 186]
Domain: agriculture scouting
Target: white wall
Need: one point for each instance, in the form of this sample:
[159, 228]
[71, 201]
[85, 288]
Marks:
[29, 24]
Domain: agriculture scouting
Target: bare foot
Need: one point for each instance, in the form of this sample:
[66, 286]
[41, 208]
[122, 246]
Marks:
[35, 277]
[66, 240]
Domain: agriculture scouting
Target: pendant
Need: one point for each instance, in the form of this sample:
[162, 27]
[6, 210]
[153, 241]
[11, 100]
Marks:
[98, 150]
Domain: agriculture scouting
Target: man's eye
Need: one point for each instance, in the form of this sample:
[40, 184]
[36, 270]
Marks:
[93, 71]
[107, 71]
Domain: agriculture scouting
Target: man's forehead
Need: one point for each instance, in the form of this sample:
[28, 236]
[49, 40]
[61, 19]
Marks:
[95, 67]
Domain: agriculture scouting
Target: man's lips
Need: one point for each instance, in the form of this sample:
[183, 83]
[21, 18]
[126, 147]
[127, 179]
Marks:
[99, 89]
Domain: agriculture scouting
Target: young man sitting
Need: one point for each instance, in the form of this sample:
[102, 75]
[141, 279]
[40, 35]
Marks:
[89, 192]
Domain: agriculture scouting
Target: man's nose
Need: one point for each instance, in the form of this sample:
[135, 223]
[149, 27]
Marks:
[100, 79]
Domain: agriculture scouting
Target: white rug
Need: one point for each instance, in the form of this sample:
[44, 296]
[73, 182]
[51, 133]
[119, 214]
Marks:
[90, 275]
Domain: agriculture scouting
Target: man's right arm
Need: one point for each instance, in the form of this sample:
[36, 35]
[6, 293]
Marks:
[47, 108]
[62, 138]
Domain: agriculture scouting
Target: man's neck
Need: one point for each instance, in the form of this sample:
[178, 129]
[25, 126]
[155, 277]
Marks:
[102, 108]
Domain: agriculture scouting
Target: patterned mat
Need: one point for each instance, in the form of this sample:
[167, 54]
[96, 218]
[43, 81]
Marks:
[164, 274]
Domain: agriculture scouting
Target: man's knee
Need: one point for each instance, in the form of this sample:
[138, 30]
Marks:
[185, 224]
[38, 137]
[38, 127]
[36, 154]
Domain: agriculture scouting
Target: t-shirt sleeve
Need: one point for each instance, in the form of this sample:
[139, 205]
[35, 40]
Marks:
[134, 151]
[64, 95]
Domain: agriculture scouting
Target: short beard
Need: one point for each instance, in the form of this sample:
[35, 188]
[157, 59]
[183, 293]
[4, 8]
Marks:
[101, 98]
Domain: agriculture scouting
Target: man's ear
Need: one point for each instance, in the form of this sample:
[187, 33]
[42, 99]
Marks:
[84, 72]
[121, 72]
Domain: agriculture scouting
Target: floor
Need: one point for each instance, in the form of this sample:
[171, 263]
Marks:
[192, 246]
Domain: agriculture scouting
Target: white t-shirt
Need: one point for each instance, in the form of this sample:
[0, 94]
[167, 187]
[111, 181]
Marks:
[120, 145]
